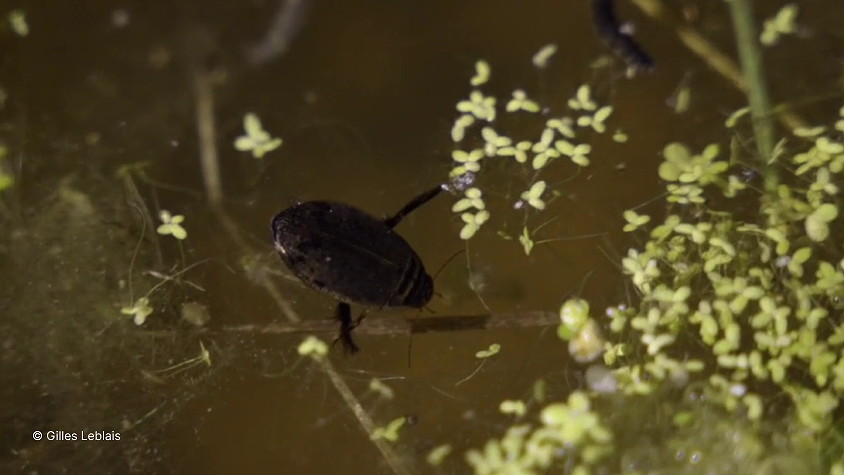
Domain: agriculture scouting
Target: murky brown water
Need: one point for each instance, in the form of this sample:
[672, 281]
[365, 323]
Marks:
[364, 100]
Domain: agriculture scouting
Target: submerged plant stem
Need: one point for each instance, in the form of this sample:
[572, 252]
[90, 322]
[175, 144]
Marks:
[714, 58]
[207, 139]
[750, 57]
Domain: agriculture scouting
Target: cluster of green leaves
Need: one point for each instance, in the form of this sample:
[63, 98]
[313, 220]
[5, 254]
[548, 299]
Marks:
[757, 292]
[478, 138]
[783, 23]
[570, 434]
[580, 330]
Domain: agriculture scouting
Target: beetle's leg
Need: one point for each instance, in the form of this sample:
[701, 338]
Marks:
[360, 318]
[624, 46]
[344, 314]
[414, 203]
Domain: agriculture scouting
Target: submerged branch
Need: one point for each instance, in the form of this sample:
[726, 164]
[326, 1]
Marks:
[203, 91]
[407, 325]
[391, 326]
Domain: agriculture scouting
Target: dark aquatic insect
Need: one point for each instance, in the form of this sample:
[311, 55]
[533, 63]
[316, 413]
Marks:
[353, 256]
[603, 15]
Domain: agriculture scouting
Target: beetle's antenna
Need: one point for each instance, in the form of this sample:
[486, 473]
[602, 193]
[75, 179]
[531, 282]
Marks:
[447, 261]
[410, 343]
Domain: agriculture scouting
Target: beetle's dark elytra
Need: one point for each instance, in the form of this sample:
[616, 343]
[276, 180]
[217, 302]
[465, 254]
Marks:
[353, 256]
[349, 254]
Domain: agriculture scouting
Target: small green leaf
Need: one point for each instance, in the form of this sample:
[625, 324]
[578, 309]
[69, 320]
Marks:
[391, 431]
[482, 72]
[257, 140]
[17, 20]
[491, 351]
[620, 136]
[534, 195]
[781, 24]
[313, 347]
[472, 222]
[634, 220]
[514, 407]
[171, 225]
[140, 310]
[520, 101]
[436, 456]
[526, 241]
[573, 315]
[540, 59]
[816, 223]
[735, 116]
[378, 387]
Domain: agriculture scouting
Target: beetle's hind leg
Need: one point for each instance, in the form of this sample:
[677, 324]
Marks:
[359, 319]
[344, 314]
[420, 200]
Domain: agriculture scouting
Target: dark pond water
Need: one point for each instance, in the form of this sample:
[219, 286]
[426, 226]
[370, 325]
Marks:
[364, 99]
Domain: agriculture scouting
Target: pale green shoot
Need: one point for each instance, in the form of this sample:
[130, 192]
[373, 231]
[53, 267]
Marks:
[391, 431]
[378, 387]
[540, 59]
[526, 241]
[491, 351]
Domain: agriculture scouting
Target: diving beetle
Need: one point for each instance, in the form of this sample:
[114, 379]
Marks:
[349, 254]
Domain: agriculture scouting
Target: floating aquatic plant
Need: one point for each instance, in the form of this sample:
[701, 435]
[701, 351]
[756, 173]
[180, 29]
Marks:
[171, 225]
[783, 23]
[257, 140]
[477, 119]
[139, 311]
[313, 347]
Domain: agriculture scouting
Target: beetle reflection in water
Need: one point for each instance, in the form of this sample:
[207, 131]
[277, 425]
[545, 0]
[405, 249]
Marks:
[353, 256]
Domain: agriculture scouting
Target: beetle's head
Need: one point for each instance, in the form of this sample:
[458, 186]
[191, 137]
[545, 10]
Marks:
[421, 293]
